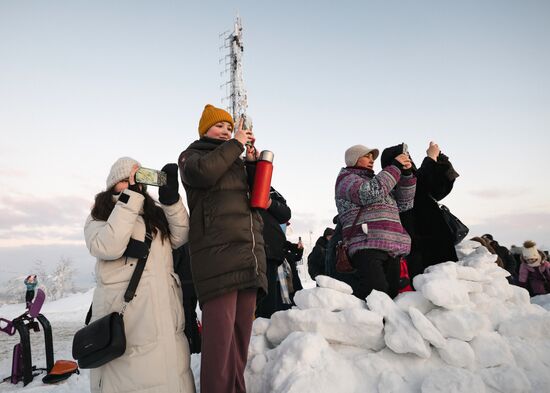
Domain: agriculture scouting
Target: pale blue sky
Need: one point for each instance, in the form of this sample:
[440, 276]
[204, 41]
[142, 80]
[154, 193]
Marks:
[83, 83]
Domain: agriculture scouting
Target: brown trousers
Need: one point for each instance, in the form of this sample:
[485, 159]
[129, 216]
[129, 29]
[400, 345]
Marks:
[226, 329]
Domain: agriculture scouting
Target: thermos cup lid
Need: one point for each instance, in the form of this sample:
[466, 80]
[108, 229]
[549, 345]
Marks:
[266, 155]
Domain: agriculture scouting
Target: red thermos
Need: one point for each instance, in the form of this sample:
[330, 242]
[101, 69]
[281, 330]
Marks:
[262, 180]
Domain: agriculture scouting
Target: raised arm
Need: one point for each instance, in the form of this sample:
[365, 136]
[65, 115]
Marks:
[203, 171]
[361, 191]
[108, 239]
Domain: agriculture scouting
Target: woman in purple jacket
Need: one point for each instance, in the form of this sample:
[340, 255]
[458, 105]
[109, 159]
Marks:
[534, 271]
[368, 209]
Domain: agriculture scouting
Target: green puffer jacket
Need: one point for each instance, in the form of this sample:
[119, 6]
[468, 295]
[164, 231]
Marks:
[225, 239]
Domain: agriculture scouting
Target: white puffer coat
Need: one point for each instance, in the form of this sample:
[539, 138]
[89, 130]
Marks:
[157, 353]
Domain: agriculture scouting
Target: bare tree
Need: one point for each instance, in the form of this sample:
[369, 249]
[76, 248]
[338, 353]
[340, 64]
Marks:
[62, 279]
[13, 290]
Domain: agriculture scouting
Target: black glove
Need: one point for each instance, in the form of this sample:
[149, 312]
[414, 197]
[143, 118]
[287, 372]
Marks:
[400, 166]
[168, 194]
[135, 187]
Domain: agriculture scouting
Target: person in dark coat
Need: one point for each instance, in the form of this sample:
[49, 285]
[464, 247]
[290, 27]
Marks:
[516, 253]
[508, 260]
[182, 267]
[274, 216]
[294, 254]
[316, 259]
[226, 247]
[432, 241]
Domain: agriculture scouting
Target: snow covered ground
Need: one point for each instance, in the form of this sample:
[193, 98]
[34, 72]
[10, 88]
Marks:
[465, 330]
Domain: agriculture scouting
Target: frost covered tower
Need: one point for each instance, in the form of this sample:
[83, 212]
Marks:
[235, 90]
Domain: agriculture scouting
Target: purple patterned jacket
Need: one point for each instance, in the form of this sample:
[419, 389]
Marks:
[383, 197]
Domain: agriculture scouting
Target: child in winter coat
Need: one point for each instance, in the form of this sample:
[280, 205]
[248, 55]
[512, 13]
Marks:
[534, 271]
[157, 353]
[368, 210]
[226, 247]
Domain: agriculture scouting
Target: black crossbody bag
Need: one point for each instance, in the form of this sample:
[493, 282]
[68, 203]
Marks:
[105, 339]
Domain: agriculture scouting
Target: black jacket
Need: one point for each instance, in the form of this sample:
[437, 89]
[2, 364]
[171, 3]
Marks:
[432, 241]
[316, 259]
[274, 237]
[293, 255]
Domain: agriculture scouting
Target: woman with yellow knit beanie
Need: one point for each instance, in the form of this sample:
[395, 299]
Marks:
[226, 247]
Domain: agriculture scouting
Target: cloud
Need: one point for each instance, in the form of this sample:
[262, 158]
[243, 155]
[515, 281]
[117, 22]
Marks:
[514, 228]
[16, 173]
[28, 210]
[30, 220]
[495, 193]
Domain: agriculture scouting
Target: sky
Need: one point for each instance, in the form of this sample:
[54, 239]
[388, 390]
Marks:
[84, 83]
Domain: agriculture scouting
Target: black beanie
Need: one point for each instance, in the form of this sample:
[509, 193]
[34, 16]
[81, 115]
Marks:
[390, 153]
[328, 231]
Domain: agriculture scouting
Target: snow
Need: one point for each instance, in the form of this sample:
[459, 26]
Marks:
[326, 298]
[329, 282]
[465, 330]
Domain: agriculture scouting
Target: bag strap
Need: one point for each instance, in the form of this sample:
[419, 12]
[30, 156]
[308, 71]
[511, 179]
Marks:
[354, 222]
[136, 276]
[140, 266]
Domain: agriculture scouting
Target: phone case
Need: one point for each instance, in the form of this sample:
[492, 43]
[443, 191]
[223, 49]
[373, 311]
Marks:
[151, 177]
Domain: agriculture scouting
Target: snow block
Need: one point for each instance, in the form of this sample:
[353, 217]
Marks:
[258, 344]
[444, 270]
[457, 353]
[427, 330]
[506, 379]
[526, 326]
[260, 326]
[305, 362]
[391, 382]
[470, 274]
[461, 324]
[446, 292]
[357, 327]
[453, 380]
[491, 350]
[541, 300]
[413, 299]
[331, 283]
[327, 299]
[400, 334]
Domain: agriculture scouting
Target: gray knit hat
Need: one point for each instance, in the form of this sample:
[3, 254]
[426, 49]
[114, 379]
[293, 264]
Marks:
[120, 170]
[357, 151]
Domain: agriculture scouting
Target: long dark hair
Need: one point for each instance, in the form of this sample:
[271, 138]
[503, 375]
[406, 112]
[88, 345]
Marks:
[152, 213]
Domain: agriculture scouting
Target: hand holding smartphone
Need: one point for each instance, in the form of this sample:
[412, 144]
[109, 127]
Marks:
[151, 177]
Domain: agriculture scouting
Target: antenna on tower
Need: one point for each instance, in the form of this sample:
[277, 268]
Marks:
[235, 92]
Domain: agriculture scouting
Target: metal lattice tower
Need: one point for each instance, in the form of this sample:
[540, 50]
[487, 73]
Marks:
[236, 96]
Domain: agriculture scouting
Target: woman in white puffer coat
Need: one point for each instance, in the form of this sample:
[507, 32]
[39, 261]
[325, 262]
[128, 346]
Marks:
[157, 353]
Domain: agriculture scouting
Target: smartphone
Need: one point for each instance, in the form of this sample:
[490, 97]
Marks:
[405, 148]
[247, 123]
[151, 177]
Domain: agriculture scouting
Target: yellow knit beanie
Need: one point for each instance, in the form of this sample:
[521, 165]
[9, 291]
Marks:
[212, 115]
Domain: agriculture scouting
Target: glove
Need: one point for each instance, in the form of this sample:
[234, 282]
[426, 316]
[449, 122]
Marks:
[168, 194]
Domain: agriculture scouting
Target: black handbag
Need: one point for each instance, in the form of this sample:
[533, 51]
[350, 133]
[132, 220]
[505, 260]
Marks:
[458, 230]
[105, 339]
